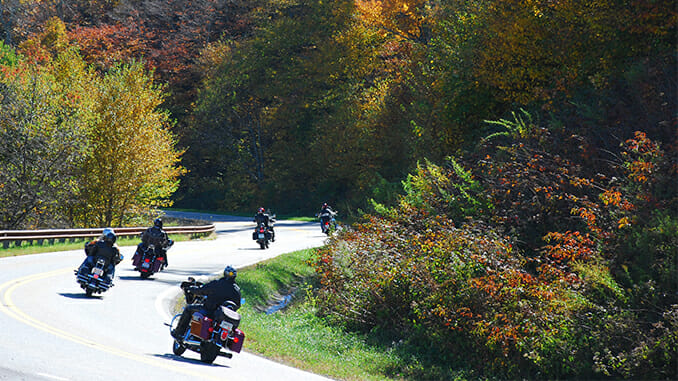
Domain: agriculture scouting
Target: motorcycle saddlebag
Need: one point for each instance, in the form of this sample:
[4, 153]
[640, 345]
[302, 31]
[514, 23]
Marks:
[235, 344]
[156, 265]
[200, 325]
[136, 259]
[255, 235]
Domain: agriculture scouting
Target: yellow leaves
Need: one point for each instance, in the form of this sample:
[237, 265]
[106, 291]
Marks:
[402, 19]
[134, 160]
[623, 222]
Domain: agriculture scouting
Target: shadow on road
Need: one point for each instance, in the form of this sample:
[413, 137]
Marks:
[171, 356]
[131, 277]
[79, 295]
[223, 231]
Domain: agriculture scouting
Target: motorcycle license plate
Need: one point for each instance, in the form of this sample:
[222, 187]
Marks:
[261, 235]
[146, 265]
[98, 272]
[226, 325]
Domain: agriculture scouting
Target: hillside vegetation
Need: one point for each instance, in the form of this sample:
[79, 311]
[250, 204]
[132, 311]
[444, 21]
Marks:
[511, 166]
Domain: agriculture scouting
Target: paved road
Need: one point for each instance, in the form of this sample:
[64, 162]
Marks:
[50, 331]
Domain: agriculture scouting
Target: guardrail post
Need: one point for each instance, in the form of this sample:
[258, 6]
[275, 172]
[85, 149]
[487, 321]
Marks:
[5, 244]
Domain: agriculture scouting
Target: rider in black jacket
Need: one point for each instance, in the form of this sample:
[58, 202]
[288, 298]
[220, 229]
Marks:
[105, 249]
[218, 292]
[267, 220]
[158, 238]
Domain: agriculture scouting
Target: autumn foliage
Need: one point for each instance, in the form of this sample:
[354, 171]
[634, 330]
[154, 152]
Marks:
[81, 147]
[511, 165]
[536, 281]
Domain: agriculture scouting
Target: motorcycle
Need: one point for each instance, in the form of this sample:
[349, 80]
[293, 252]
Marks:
[327, 222]
[147, 261]
[262, 235]
[94, 281]
[209, 337]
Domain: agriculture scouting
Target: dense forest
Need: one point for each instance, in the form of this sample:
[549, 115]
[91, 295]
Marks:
[511, 167]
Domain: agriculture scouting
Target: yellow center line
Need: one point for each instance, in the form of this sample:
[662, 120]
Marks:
[9, 308]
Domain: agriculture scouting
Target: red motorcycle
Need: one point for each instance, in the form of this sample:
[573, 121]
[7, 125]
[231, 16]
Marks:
[209, 337]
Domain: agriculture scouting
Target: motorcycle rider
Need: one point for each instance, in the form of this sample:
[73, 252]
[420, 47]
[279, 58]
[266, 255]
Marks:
[326, 213]
[267, 220]
[104, 247]
[158, 238]
[218, 292]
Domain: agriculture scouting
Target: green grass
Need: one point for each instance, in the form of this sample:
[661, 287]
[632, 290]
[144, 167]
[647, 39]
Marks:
[297, 336]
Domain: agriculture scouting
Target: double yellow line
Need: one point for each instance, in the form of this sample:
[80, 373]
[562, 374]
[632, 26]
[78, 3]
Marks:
[9, 308]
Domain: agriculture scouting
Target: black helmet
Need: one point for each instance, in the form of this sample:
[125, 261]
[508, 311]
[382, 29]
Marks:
[324, 205]
[230, 273]
[109, 235]
[158, 222]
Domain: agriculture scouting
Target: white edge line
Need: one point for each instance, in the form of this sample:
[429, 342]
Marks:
[46, 375]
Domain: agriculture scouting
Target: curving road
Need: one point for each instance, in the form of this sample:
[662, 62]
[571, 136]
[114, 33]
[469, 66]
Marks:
[50, 331]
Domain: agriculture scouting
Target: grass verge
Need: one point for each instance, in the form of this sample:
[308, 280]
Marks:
[297, 336]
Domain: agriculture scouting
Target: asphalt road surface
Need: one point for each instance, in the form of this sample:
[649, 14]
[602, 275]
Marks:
[49, 329]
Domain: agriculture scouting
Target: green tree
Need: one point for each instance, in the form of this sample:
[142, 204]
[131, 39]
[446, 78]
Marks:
[44, 123]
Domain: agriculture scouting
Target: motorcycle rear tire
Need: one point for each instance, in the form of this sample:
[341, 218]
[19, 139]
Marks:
[89, 292]
[262, 244]
[145, 275]
[208, 352]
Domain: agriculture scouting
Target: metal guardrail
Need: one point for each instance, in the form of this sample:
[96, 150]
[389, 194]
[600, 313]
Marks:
[61, 235]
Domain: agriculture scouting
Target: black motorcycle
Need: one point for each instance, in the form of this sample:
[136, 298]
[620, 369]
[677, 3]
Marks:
[96, 280]
[149, 260]
[219, 336]
[328, 223]
[262, 235]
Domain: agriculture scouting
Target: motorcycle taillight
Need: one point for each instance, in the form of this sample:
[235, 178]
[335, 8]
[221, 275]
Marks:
[147, 260]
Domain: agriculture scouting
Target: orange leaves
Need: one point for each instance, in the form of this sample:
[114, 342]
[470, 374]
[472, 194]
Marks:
[611, 197]
[640, 154]
[569, 246]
